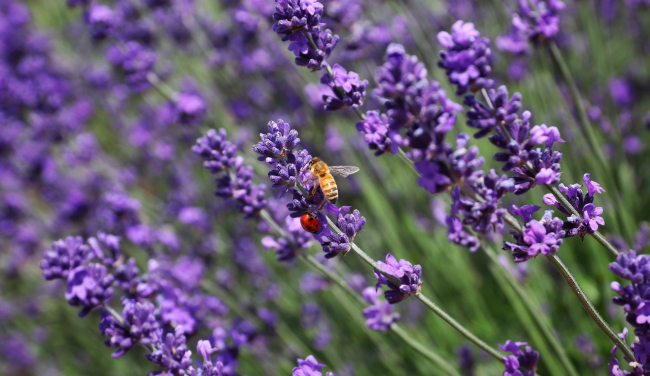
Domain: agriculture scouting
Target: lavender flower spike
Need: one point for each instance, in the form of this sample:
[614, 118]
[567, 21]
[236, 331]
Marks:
[309, 367]
[379, 316]
[279, 139]
[405, 272]
[466, 58]
[520, 363]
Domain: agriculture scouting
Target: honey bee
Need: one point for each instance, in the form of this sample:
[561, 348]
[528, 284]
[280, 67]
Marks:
[323, 174]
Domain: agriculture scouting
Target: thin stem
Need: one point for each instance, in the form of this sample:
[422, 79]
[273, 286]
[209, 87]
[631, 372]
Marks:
[591, 310]
[462, 330]
[313, 262]
[417, 346]
[556, 55]
[406, 160]
[432, 306]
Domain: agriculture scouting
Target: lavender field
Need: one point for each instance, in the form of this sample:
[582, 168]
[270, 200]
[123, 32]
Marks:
[333, 187]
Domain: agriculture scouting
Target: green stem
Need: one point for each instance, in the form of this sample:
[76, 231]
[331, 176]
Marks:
[313, 262]
[586, 304]
[462, 330]
[417, 346]
[431, 305]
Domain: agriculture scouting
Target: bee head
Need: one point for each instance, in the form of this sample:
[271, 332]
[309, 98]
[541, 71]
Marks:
[313, 161]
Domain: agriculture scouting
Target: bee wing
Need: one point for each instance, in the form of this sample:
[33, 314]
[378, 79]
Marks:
[343, 171]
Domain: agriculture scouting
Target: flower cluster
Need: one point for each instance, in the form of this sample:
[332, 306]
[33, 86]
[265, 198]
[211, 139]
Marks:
[466, 58]
[539, 237]
[635, 270]
[414, 105]
[380, 315]
[517, 139]
[236, 179]
[520, 363]
[299, 23]
[88, 286]
[290, 171]
[348, 90]
[591, 214]
[535, 24]
[403, 271]
[309, 367]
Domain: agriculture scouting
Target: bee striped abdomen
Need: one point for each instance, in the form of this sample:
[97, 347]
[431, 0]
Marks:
[328, 185]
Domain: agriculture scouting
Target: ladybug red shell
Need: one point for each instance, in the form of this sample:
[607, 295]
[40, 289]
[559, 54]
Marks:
[309, 223]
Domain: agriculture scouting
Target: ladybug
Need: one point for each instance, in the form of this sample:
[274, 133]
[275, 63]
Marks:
[309, 223]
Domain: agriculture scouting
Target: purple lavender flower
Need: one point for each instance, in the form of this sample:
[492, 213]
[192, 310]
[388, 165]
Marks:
[591, 218]
[540, 237]
[136, 62]
[505, 111]
[407, 274]
[379, 316]
[297, 15]
[521, 363]
[466, 360]
[375, 130]
[191, 108]
[309, 367]
[353, 90]
[466, 58]
[140, 327]
[237, 183]
[487, 215]
[205, 349]
[219, 153]
[525, 212]
[171, 353]
[88, 287]
[102, 20]
[64, 257]
[277, 142]
[621, 92]
[535, 25]
[287, 249]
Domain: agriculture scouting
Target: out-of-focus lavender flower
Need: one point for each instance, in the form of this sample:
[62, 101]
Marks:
[621, 91]
[379, 316]
[520, 363]
[287, 249]
[135, 61]
[375, 132]
[352, 90]
[64, 257]
[539, 237]
[190, 108]
[407, 274]
[236, 179]
[309, 367]
[466, 57]
[642, 238]
[632, 144]
[140, 327]
[466, 361]
[102, 20]
[534, 24]
[311, 282]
